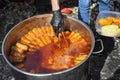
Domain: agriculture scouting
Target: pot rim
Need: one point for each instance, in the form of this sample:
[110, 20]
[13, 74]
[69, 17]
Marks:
[55, 73]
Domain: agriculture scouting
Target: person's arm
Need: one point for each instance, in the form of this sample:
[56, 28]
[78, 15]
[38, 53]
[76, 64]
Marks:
[55, 5]
[57, 19]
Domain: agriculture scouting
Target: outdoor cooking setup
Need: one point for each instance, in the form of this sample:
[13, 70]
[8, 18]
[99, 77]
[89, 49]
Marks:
[21, 38]
[45, 21]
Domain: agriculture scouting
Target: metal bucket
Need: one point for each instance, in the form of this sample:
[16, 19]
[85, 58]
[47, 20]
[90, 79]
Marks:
[78, 72]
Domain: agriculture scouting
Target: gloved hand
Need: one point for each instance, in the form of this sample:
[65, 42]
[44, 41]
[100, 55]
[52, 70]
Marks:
[57, 22]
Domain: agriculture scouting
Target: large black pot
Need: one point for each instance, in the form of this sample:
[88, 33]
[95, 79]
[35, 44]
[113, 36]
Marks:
[78, 72]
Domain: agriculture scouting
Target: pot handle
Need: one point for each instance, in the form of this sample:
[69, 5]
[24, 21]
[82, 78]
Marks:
[101, 44]
[0, 48]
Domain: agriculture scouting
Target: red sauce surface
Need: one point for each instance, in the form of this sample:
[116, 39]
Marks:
[51, 58]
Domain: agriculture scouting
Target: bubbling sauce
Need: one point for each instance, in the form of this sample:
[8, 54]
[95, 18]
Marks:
[49, 57]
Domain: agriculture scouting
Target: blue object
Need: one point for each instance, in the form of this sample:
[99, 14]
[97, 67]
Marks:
[84, 6]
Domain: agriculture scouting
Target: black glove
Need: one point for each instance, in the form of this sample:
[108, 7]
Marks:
[57, 22]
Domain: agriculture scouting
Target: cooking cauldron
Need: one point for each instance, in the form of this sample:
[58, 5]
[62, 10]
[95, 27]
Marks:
[78, 72]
